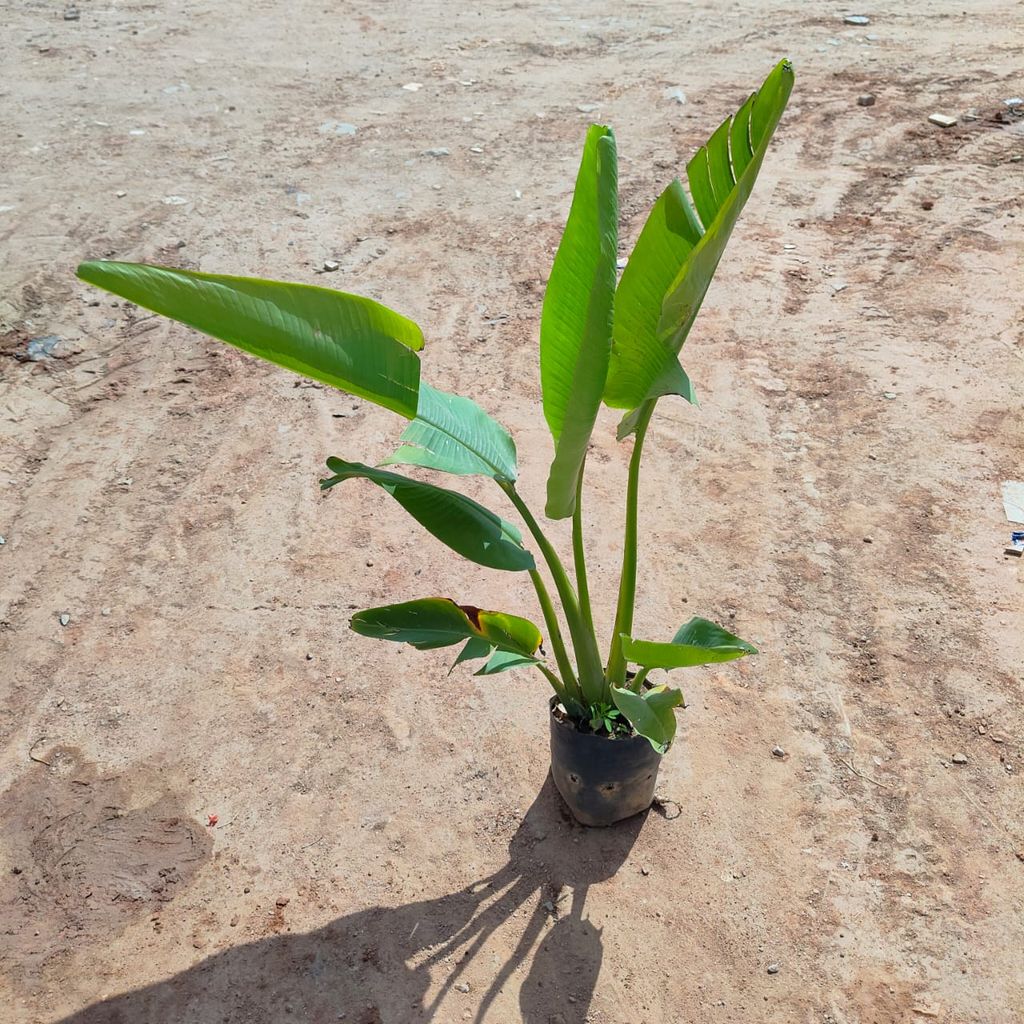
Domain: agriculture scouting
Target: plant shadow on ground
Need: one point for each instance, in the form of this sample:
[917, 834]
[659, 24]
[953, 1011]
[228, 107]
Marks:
[391, 965]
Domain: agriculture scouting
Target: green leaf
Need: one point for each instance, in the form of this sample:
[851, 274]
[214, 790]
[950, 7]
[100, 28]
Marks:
[576, 321]
[502, 661]
[347, 341]
[677, 253]
[651, 715]
[433, 622]
[455, 435]
[462, 524]
[698, 642]
[475, 649]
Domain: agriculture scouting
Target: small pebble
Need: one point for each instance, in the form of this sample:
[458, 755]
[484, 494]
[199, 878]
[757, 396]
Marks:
[104, 611]
[856, 19]
[462, 986]
[676, 94]
[942, 120]
[120, 193]
[64, 618]
[282, 901]
[437, 151]
[778, 752]
[234, 921]
[412, 87]
[773, 968]
[247, 889]
[959, 758]
[927, 204]
[645, 870]
[587, 108]
[866, 99]
[869, 540]
[331, 265]
[71, 14]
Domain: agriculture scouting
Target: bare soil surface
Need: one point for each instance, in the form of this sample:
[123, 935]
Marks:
[385, 846]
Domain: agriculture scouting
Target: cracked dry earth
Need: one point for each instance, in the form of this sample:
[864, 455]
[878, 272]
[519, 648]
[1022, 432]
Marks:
[386, 847]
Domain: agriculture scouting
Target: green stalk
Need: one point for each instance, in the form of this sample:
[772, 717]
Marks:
[579, 557]
[637, 683]
[556, 685]
[588, 657]
[570, 683]
[627, 580]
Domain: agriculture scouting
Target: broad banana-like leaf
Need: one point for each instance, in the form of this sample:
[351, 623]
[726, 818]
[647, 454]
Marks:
[502, 661]
[576, 320]
[433, 622]
[697, 642]
[651, 714]
[466, 527]
[677, 253]
[455, 435]
[474, 650]
[347, 341]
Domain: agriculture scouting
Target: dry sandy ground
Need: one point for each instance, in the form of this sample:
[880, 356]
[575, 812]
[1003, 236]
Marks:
[385, 836]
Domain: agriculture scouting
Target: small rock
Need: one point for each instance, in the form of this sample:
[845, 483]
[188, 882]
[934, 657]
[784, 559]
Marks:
[337, 128]
[1013, 102]
[620, 263]
[283, 901]
[675, 93]
[72, 14]
[856, 19]
[64, 618]
[773, 968]
[3, 540]
[942, 120]
[587, 108]
[104, 611]
[548, 906]
[645, 870]
[120, 193]
[234, 921]
[462, 986]
[777, 751]
[175, 200]
[476, 149]
[309, 657]
[247, 889]
[889, 394]
[927, 204]
[42, 348]
[437, 151]
[199, 942]
[959, 758]
[412, 87]
[869, 540]
[866, 99]
[331, 265]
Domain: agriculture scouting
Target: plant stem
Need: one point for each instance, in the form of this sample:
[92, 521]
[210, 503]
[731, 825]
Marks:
[637, 682]
[627, 580]
[579, 557]
[571, 685]
[588, 657]
[557, 686]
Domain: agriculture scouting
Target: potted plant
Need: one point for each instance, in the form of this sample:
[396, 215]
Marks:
[600, 341]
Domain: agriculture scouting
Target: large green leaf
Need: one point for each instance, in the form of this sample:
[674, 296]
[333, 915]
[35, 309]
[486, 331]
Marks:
[347, 341]
[678, 251]
[433, 622]
[466, 527]
[576, 321]
[502, 661]
[697, 642]
[455, 435]
[652, 714]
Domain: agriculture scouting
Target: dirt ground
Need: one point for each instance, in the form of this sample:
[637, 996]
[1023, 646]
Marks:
[386, 847]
